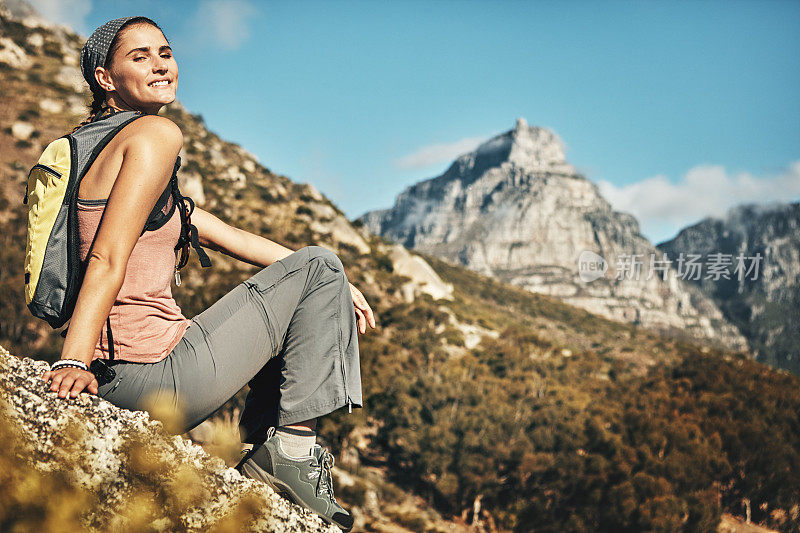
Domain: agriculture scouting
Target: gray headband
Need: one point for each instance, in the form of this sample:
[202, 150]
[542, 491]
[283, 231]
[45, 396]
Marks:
[93, 53]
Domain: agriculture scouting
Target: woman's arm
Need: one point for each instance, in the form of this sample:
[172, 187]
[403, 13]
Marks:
[149, 149]
[234, 242]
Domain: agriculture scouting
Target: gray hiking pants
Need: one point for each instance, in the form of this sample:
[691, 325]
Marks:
[289, 332]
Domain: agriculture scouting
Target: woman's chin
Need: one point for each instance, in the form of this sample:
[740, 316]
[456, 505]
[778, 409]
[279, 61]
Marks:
[161, 96]
[161, 100]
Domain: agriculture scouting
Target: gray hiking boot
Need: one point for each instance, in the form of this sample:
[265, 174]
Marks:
[306, 481]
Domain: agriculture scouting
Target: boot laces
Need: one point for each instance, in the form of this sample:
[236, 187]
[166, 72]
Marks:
[324, 477]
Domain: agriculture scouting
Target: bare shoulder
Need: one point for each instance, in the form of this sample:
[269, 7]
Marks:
[156, 131]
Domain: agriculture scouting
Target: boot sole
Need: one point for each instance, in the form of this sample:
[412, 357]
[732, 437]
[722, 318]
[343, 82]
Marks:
[254, 471]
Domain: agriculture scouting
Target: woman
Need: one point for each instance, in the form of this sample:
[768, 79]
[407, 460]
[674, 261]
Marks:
[290, 331]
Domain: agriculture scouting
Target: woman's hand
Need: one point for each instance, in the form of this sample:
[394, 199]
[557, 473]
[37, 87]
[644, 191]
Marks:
[363, 310]
[70, 380]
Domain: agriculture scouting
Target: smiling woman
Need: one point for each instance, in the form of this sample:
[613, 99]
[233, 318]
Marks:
[290, 331]
[119, 80]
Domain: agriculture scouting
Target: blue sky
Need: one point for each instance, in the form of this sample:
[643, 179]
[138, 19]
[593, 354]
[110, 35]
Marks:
[678, 110]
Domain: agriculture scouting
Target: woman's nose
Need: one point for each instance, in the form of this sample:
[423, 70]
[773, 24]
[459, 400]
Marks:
[160, 65]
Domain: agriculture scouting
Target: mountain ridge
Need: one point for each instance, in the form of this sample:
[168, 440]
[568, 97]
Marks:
[764, 300]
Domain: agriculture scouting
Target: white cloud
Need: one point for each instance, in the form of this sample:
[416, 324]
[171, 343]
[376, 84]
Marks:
[705, 190]
[222, 22]
[70, 12]
[438, 153]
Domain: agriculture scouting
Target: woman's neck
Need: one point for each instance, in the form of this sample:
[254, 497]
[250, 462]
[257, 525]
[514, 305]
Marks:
[117, 104]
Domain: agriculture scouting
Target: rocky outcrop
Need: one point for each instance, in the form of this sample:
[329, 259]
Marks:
[22, 130]
[13, 55]
[133, 466]
[422, 277]
[514, 208]
[763, 297]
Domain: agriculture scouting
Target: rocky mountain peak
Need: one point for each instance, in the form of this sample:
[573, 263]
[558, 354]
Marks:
[535, 147]
[515, 209]
[526, 148]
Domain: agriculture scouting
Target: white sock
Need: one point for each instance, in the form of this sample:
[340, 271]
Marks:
[296, 442]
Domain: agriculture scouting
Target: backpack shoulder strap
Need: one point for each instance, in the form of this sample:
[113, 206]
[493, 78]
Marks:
[89, 140]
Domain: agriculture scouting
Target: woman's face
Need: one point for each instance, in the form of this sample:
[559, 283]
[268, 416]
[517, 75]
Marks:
[143, 71]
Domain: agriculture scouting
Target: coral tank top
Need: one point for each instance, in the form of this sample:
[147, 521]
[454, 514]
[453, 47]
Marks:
[146, 322]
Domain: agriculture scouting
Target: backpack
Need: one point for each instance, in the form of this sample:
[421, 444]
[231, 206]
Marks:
[53, 268]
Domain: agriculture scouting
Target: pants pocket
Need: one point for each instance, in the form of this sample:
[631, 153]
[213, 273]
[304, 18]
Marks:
[110, 387]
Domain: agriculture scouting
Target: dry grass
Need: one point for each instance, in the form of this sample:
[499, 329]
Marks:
[219, 436]
[29, 499]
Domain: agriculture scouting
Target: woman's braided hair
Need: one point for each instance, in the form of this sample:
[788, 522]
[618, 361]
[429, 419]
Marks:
[99, 105]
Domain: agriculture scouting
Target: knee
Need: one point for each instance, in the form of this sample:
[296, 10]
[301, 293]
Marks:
[326, 255]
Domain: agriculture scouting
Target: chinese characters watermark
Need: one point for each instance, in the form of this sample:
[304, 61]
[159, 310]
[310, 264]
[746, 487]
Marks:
[687, 266]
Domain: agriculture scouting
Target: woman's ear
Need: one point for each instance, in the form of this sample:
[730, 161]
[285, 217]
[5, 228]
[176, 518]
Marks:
[103, 78]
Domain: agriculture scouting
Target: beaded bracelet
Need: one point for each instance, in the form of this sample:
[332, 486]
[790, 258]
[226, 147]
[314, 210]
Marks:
[62, 365]
[66, 365]
[74, 363]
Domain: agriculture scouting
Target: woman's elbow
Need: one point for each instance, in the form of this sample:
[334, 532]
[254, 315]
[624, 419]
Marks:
[106, 263]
